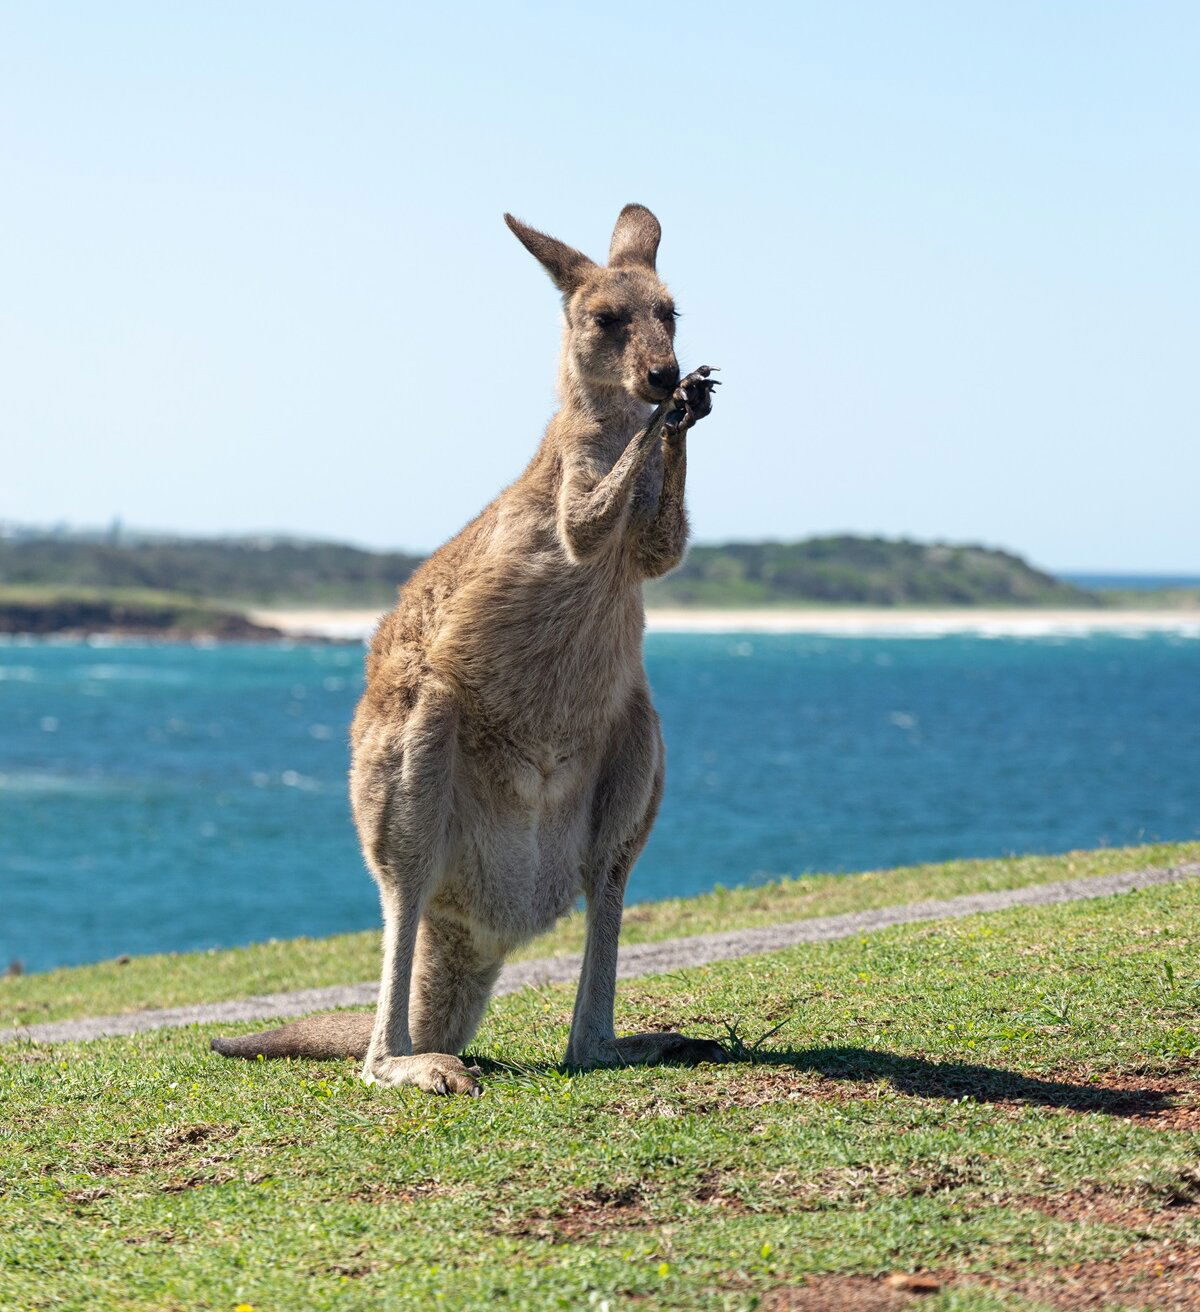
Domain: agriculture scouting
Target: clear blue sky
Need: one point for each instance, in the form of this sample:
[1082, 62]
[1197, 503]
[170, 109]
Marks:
[253, 273]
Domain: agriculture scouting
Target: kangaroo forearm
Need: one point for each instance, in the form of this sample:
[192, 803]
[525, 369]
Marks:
[589, 516]
[666, 549]
[664, 539]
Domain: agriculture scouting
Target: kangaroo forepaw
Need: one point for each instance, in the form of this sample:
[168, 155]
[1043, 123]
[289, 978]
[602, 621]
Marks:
[434, 1072]
[692, 401]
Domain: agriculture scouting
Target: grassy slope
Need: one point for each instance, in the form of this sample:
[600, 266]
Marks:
[165, 981]
[936, 1097]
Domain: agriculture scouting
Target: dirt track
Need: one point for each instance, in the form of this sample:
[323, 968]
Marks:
[637, 959]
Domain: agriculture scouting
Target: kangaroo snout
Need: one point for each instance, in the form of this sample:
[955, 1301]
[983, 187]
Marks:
[664, 379]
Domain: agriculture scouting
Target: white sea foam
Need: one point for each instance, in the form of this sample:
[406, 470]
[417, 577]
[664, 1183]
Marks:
[928, 624]
[294, 779]
[34, 782]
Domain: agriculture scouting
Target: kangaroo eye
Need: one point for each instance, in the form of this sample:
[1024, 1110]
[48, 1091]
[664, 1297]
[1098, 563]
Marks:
[607, 321]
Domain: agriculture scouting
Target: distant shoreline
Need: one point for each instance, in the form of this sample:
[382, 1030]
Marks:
[164, 619]
[848, 621]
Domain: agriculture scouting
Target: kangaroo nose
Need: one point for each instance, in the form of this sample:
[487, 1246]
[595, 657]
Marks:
[663, 380]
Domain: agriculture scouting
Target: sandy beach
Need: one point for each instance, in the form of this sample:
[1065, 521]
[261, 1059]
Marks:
[848, 622]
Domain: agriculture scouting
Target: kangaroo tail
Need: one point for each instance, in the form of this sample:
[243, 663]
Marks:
[328, 1037]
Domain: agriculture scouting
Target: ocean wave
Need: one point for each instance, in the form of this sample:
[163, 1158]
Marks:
[132, 674]
[43, 782]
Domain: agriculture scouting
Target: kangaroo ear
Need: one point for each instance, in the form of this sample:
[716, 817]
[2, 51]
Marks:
[635, 238]
[566, 266]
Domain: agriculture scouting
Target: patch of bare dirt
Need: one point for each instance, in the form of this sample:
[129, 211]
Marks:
[21, 1055]
[1183, 1190]
[191, 1154]
[1165, 1278]
[143, 1239]
[582, 1212]
[1161, 1278]
[385, 1191]
[352, 1267]
[788, 1191]
[720, 1189]
[851, 1294]
[841, 1188]
[1145, 1209]
[744, 1086]
[178, 1184]
[160, 1149]
[1169, 1102]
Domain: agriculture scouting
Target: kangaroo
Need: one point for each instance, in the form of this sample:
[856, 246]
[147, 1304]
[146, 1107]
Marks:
[506, 754]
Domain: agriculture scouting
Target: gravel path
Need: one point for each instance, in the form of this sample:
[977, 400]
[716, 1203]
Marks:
[636, 959]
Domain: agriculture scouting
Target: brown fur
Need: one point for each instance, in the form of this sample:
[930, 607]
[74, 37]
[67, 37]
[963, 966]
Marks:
[506, 755]
[319, 1038]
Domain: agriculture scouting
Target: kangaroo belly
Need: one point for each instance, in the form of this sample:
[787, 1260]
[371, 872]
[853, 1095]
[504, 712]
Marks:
[522, 834]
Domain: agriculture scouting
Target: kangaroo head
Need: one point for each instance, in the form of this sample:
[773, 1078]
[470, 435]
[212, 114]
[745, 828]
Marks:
[620, 318]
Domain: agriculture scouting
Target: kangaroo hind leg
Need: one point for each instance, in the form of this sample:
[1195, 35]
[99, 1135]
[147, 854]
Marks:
[626, 803]
[452, 982]
[402, 788]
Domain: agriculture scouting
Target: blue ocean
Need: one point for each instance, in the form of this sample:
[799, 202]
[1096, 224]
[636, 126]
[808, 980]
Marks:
[159, 798]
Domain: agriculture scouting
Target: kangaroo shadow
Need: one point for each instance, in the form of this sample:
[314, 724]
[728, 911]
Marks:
[954, 1080]
[913, 1076]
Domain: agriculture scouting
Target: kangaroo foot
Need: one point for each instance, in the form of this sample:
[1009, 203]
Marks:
[692, 401]
[435, 1072]
[654, 1050]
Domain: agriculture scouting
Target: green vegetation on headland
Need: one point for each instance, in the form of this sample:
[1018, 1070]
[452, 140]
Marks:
[250, 571]
[230, 573]
[1170, 598]
[74, 610]
[1008, 1103]
[860, 571]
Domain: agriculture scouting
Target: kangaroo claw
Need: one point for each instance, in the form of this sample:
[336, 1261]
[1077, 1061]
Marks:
[693, 400]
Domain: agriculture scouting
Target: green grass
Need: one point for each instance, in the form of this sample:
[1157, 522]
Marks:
[995, 1099]
[169, 981]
